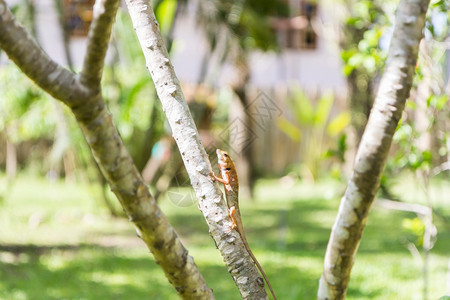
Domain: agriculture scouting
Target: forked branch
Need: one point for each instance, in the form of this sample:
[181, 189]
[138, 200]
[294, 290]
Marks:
[107, 147]
[99, 35]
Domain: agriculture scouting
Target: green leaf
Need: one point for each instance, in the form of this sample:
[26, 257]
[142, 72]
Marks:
[347, 54]
[430, 100]
[416, 227]
[403, 133]
[356, 60]
[347, 69]
[302, 106]
[411, 105]
[353, 21]
[342, 143]
[369, 63]
[427, 155]
[372, 37]
[289, 129]
[441, 101]
[339, 123]
[364, 46]
[165, 12]
[437, 3]
[323, 109]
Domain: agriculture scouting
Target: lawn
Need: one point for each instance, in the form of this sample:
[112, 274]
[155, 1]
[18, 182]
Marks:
[58, 242]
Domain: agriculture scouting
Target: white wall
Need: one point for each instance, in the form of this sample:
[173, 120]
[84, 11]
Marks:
[319, 68]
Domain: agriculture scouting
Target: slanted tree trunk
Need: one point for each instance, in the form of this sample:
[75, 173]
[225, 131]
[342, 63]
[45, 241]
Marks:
[195, 159]
[373, 150]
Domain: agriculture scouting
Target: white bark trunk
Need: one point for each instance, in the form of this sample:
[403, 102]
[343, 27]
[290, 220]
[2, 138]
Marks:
[370, 160]
[195, 159]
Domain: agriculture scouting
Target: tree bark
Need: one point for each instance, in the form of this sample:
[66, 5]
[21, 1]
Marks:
[196, 161]
[371, 158]
[83, 95]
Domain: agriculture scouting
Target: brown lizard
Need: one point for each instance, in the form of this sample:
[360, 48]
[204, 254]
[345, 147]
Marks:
[230, 181]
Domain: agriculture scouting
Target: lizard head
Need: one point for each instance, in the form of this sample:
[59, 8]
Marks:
[224, 159]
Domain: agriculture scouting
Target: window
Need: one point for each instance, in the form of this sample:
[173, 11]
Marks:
[77, 16]
[297, 31]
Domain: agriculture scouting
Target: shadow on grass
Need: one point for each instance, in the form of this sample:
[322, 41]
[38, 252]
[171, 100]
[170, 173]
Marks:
[82, 272]
[288, 238]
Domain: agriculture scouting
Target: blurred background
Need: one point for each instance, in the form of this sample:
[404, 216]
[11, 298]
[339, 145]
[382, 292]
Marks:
[286, 87]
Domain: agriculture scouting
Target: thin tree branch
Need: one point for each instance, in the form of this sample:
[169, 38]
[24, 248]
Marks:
[98, 39]
[22, 49]
[403, 206]
[110, 153]
[371, 158]
[193, 153]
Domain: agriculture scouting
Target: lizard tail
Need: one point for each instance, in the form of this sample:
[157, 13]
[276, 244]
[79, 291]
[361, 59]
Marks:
[262, 273]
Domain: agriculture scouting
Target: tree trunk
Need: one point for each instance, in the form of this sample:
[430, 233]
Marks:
[359, 85]
[373, 150]
[195, 159]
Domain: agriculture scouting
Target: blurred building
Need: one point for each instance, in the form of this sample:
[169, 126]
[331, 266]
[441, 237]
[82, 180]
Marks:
[309, 55]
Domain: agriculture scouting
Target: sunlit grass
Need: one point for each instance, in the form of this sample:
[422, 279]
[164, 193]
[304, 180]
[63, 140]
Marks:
[58, 242]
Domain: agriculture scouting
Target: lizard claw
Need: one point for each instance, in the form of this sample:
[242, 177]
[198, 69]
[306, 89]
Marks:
[211, 176]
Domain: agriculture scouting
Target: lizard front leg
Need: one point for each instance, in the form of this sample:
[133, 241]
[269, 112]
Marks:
[217, 178]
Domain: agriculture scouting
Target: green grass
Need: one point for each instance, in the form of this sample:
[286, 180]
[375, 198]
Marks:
[58, 242]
